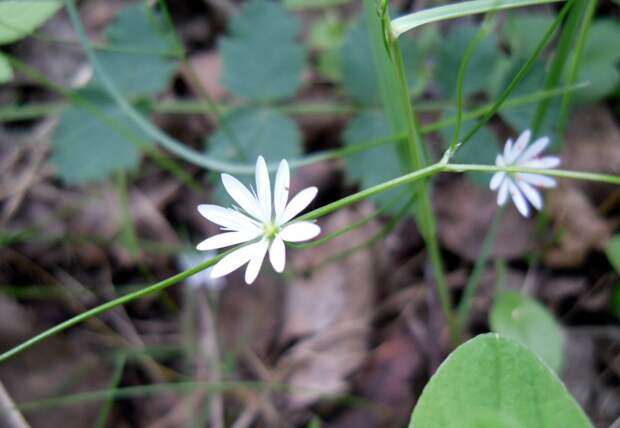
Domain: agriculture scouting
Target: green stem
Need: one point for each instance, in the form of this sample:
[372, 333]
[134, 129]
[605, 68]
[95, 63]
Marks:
[579, 50]
[319, 212]
[109, 305]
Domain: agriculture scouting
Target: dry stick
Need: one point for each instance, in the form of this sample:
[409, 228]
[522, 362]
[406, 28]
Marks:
[9, 414]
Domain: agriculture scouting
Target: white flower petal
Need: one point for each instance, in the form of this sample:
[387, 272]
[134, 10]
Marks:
[531, 194]
[507, 149]
[277, 254]
[233, 261]
[299, 232]
[547, 162]
[537, 179]
[251, 272]
[299, 202]
[518, 147]
[242, 196]
[281, 188]
[497, 179]
[502, 194]
[499, 160]
[518, 199]
[535, 149]
[227, 239]
[263, 189]
[227, 218]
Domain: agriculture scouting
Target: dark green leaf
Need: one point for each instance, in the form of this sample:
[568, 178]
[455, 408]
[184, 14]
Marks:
[93, 141]
[524, 31]
[527, 321]
[495, 382]
[376, 165]
[140, 53]
[6, 72]
[481, 64]
[262, 59]
[249, 133]
[599, 64]
[614, 304]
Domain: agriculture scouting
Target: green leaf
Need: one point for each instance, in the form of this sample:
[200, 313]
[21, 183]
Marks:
[599, 64]
[359, 76]
[249, 133]
[416, 49]
[523, 31]
[265, 64]
[521, 117]
[91, 144]
[6, 72]
[376, 165]
[527, 321]
[481, 64]
[612, 249]
[19, 18]
[140, 52]
[313, 4]
[493, 381]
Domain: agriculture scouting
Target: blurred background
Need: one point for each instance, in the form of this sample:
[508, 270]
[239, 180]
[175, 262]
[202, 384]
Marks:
[91, 208]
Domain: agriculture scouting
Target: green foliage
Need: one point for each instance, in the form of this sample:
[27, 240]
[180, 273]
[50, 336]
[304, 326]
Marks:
[480, 68]
[612, 250]
[523, 31]
[140, 52]
[327, 37]
[313, 4]
[90, 145]
[248, 133]
[599, 64]
[376, 165]
[358, 72]
[416, 49]
[265, 64]
[527, 321]
[19, 18]
[492, 381]
[93, 138]
[6, 72]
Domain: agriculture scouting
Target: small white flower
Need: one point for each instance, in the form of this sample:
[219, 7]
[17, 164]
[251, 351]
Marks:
[254, 219]
[522, 186]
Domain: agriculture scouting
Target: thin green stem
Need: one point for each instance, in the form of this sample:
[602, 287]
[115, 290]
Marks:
[104, 413]
[109, 305]
[522, 73]
[474, 278]
[578, 56]
[469, 53]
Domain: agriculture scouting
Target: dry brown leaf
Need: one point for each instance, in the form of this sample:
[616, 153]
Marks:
[465, 212]
[329, 313]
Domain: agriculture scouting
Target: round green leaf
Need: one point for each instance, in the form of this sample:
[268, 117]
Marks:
[493, 381]
[523, 319]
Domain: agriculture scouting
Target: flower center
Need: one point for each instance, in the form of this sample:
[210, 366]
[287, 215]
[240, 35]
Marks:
[270, 230]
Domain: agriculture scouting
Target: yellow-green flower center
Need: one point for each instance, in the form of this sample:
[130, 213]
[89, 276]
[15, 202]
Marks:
[270, 230]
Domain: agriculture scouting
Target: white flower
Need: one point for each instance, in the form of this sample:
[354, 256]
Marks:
[522, 186]
[254, 219]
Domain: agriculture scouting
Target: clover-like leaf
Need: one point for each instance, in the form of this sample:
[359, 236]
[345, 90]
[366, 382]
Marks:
[141, 50]
[262, 58]
[95, 139]
[494, 381]
[527, 321]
